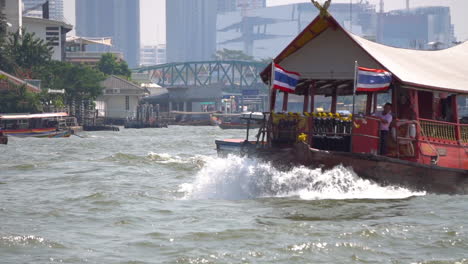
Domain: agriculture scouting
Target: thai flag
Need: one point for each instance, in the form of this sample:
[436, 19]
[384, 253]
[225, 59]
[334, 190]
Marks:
[373, 80]
[285, 81]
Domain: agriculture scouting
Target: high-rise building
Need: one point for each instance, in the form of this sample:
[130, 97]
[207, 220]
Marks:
[12, 11]
[264, 32]
[418, 28]
[33, 8]
[117, 19]
[153, 55]
[190, 30]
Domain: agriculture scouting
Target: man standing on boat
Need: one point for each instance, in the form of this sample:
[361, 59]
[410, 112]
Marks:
[385, 118]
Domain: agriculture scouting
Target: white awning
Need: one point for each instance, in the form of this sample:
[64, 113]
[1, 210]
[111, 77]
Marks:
[326, 51]
[82, 40]
[29, 116]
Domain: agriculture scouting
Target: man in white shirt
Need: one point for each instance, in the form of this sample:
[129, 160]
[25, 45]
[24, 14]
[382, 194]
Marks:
[385, 118]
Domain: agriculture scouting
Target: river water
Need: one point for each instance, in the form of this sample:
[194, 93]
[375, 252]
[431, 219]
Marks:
[162, 196]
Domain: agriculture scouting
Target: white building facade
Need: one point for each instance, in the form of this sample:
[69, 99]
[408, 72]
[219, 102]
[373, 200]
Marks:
[153, 55]
[51, 31]
[120, 98]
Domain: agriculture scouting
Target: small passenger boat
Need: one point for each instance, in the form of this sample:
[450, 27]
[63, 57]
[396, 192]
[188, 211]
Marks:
[45, 125]
[233, 121]
[192, 118]
[427, 142]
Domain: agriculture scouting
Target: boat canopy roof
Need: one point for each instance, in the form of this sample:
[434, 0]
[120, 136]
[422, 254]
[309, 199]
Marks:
[325, 51]
[29, 116]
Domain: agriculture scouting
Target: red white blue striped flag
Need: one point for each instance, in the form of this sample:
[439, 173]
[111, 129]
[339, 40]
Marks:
[373, 80]
[285, 81]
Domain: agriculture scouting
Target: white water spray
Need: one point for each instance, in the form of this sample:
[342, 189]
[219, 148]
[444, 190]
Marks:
[236, 178]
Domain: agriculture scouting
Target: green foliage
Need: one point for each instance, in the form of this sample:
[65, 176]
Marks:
[109, 64]
[3, 33]
[19, 100]
[227, 54]
[80, 82]
[25, 51]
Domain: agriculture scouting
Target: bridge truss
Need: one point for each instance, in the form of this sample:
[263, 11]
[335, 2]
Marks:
[233, 75]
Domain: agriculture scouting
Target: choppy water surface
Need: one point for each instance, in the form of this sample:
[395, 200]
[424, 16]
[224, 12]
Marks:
[162, 196]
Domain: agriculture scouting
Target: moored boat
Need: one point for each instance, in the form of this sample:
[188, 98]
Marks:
[233, 121]
[425, 144]
[45, 125]
[192, 118]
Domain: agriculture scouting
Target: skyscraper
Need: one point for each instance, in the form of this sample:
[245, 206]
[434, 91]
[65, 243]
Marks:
[118, 19]
[34, 7]
[190, 30]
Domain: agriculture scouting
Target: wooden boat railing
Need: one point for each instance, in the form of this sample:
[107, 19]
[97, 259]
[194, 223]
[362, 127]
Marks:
[464, 134]
[440, 132]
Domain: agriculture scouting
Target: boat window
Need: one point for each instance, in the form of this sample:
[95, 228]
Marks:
[295, 103]
[383, 98]
[345, 103]
[462, 101]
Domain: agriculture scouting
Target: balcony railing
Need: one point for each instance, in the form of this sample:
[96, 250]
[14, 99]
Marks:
[92, 55]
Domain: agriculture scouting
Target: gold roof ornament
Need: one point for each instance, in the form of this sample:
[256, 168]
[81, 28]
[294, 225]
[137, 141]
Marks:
[322, 8]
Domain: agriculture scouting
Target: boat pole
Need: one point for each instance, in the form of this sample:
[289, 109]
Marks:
[271, 96]
[354, 105]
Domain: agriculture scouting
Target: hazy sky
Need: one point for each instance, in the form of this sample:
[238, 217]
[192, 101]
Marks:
[153, 27]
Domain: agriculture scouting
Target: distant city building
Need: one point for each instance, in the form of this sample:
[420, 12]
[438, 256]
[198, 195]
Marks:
[53, 32]
[233, 5]
[418, 28]
[190, 30]
[12, 11]
[264, 32]
[76, 50]
[152, 55]
[117, 19]
[34, 8]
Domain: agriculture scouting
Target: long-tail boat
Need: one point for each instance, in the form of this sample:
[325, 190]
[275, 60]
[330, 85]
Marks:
[232, 121]
[428, 140]
[48, 125]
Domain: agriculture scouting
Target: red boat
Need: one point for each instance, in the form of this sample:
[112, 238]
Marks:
[428, 139]
[45, 125]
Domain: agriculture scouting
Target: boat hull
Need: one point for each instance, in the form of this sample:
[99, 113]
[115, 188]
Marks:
[38, 133]
[383, 170]
[388, 171]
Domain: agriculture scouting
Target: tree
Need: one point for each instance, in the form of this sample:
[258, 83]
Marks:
[4, 61]
[109, 64]
[25, 51]
[19, 100]
[80, 82]
[227, 54]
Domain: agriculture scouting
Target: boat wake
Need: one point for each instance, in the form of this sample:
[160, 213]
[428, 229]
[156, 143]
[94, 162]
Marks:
[236, 178]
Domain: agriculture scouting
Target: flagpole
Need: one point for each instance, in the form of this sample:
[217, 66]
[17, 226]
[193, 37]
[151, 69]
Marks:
[270, 94]
[355, 85]
[354, 103]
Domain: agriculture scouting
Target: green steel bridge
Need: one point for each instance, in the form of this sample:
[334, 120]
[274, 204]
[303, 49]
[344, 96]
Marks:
[231, 74]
